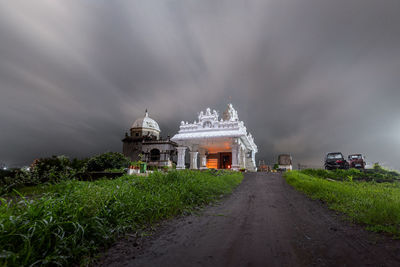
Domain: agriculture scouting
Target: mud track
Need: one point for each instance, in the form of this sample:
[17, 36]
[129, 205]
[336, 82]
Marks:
[265, 222]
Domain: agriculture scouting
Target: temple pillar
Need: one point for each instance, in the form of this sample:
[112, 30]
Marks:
[244, 158]
[203, 160]
[240, 158]
[193, 160]
[235, 154]
[181, 157]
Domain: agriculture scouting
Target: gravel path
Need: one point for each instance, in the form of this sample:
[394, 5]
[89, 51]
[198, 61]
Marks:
[265, 222]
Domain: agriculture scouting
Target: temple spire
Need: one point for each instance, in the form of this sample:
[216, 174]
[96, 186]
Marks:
[147, 114]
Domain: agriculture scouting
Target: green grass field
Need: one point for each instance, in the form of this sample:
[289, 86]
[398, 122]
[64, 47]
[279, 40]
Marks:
[375, 205]
[66, 223]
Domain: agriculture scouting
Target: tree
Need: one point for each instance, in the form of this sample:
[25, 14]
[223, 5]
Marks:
[109, 160]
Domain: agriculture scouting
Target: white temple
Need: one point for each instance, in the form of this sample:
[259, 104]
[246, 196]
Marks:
[220, 143]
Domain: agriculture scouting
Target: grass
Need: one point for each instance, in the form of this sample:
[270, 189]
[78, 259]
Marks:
[375, 205]
[378, 175]
[73, 219]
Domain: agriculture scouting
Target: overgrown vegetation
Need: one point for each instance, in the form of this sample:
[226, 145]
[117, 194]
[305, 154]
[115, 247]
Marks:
[59, 168]
[72, 219]
[375, 205]
[378, 174]
[110, 160]
[44, 170]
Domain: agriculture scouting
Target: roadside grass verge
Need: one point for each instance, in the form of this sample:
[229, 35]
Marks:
[76, 218]
[375, 205]
[377, 175]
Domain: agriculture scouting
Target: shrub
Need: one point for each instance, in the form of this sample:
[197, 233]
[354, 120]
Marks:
[376, 166]
[109, 160]
[43, 170]
[79, 165]
[6, 173]
[50, 169]
[11, 180]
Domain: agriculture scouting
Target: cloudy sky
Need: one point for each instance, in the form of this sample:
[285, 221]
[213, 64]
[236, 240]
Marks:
[306, 76]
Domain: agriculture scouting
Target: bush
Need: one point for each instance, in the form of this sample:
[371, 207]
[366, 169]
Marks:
[376, 166]
[43, 170]
[51, 169]
[6, 173]
[79, 165]
[10, 179]
[109, 160]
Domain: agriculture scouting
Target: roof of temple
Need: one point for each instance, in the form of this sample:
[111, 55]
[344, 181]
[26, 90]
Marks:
[146, 122]
[209, 126]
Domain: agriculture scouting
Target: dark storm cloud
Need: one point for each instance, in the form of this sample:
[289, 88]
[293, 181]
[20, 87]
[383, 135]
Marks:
[307, 77]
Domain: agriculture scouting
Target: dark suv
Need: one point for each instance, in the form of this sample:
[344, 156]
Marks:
[335, 160]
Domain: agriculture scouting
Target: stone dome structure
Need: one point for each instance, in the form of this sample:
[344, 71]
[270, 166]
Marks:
[145, 144]
[146, 123]
[145, 127]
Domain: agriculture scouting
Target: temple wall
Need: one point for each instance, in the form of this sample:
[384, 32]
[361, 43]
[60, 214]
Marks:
[132, 150]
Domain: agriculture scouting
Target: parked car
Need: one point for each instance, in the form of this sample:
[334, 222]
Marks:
[284, 162]
[356, 161]
[335, 160]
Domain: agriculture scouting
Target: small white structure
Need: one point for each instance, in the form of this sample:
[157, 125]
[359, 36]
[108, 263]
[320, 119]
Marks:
[285, 162]
[220, 143]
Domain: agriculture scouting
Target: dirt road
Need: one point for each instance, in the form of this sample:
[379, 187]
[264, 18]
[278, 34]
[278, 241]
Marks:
[264, 222]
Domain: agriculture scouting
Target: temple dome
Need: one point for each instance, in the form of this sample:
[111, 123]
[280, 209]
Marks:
[146, 122]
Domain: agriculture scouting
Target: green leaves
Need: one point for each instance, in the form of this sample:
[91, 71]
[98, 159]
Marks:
[109, 160]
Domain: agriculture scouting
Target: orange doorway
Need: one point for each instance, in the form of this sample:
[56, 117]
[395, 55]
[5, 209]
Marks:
[222, 160]
[212, 161]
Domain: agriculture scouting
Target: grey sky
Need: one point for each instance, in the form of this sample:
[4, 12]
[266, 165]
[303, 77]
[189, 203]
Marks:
[307, 77]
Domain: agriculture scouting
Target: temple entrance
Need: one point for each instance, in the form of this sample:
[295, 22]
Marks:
[225, 160]
[221, 160]
[155, 154]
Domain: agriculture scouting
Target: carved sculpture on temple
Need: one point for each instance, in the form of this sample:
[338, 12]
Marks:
[230, 114]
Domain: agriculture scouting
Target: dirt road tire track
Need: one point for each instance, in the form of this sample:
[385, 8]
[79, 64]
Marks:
[265, 222]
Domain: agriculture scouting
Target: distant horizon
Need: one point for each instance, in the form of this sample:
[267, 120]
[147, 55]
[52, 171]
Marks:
[369, 165]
